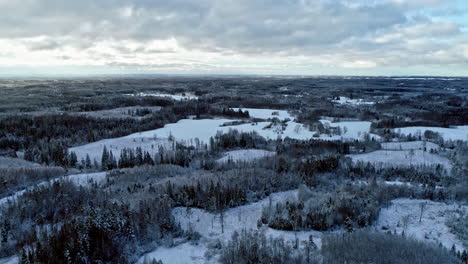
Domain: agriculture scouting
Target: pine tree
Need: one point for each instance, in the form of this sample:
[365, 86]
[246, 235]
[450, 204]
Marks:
[105, 158]
[139, 156]
[88, 162]
[72, 159]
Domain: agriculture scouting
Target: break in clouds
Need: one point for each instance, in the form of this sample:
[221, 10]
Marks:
[265, 36]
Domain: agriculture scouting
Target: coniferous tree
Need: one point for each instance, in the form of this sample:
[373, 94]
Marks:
[105, 158]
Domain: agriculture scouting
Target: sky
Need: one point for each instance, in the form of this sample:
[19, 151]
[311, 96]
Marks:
[265, 37]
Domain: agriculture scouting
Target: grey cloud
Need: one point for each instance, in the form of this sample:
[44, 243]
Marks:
[279, 27]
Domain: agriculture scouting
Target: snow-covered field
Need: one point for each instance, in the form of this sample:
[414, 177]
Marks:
[82, 179]
[414, 145]
[401, 158]
[116, 145]
[454, 133]
[403, 214]
[267, 113]
[350, 130]
[245, 155]
[349, 101]
[188, 130]
[177, 97]
[235, 219]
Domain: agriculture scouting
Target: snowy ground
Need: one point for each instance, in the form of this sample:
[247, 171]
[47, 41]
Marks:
[7, 162]
[455, 133]
[350, 130]
[121, 112]
[177, 97]
[9, 260]
[186, 131]
[401, 158]
[94, 150]
[432, 227]
[235, 219]
[245, 155]
[185, 253]
[348, 101]
[189, 131]
[79, 179]
[414, 145]
[267, 113]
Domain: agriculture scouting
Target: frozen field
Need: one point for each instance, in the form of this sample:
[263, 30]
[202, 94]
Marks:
[403, 214]
[267, 113]
[414, 145]
[401, 158]
[189, 131]
[235, 219]
[455, 133]
[350, 130]
[245, 155]
[177, 97]
[348, 101]
[94, 150]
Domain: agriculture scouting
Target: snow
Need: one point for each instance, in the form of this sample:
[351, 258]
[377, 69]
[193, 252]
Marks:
[354, 130]
[9, 260]
[414, 145]
[208, 225]
[348, 101]
[188, 130]
[432, 227]
[185, 131]
[266, 113]
[7, 163]
[94, 150]
[82, 179]
[453, 133]
[401, 158]
[177, 97]
[245, 155]
[184, 253]
[292, 130]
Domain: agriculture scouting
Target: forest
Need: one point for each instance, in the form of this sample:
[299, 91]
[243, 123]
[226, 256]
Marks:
[233, 170]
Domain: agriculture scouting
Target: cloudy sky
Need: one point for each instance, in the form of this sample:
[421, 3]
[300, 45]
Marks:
[304, 37]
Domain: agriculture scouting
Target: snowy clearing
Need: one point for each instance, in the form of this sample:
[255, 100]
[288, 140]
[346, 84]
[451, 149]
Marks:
[401, 158]
[177, 97]
[414, 145]
[82, 179]
[191, 131]
[454, 133]
[403, 215]
[350, 130]
[185, 253]
[266, 113]
[187, 131]
[349, 101]
[116, 145]
[245, 155]
[209, 226]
